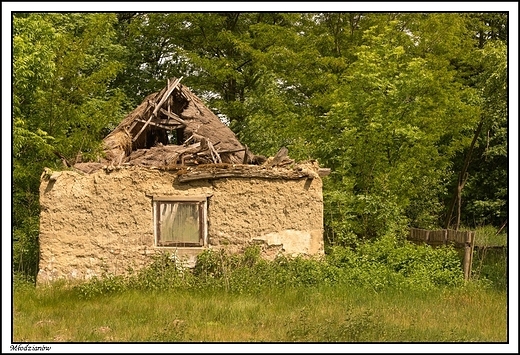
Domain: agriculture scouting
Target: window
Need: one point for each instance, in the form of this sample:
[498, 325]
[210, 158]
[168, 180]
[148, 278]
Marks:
[180, 221]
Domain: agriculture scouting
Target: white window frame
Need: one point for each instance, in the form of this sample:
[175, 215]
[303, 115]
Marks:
[202, 202]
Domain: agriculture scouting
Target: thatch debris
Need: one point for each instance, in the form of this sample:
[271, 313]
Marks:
[173, 125]
[173, 129]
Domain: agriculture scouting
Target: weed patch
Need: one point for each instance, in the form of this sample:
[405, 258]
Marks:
[386, 263]
[381, 291]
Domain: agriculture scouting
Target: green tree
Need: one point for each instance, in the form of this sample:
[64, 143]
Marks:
[219, 55]
[400, 115]
[33, 68]
[486, 193]
[63, 65]
[480, 194]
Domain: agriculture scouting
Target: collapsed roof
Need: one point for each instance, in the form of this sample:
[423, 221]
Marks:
[174, 115]
[173, 128]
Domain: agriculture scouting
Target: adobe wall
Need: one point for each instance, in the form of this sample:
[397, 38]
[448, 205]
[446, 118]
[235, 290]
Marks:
[103, 221]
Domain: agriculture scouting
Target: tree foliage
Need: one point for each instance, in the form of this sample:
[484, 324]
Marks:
[63, 65]
[486, 194]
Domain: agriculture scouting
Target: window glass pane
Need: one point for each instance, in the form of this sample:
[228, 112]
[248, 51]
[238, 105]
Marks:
[179, 222]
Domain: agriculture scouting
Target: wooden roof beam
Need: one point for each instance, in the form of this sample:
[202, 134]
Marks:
[167, 126]
[154, 113]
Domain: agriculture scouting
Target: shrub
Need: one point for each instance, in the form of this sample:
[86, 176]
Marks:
[165, 272]
[490, 267]
[390, 262]
[103, 285]
[383, 263]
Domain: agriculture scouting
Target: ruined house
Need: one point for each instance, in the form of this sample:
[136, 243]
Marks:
[174, 178]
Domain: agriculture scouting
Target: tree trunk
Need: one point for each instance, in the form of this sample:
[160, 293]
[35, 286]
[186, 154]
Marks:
[463, 175]
[460, 186]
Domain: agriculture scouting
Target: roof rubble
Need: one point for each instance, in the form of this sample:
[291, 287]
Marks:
[173, 130]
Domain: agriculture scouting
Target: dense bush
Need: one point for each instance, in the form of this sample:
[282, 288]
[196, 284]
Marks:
[385, 263]
[165, 272]
[400, 264]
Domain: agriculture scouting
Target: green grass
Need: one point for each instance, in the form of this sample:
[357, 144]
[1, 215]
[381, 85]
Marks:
[383, 291]
[487, 236]
[490, 257]
[301, 314]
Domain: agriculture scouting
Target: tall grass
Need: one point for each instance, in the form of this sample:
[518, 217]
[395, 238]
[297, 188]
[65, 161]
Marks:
[384, 291]
[490, 236]
[490, 257]
[318, 314]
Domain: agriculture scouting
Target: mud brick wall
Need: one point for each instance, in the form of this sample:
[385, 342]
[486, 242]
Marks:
[103, 222]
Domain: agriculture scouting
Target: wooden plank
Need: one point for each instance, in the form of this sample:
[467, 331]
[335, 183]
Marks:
[172, 126]
[169, 99]
[229, 150]
[193, 198]
[173, 117]
[214, 155]
[154, 113]
[443, 236]
[133, 126]
[150, 102]
[279, 157]
[238, 172]
[244, 160]
[472, 243]
[185, 96]
[468, 251]
[166, 95]
[419, 235]
[437, 236]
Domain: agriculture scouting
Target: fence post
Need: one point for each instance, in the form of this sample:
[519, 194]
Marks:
[471, 253]
[468, 254]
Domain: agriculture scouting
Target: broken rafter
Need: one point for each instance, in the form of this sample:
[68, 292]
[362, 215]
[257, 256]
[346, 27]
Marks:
[150, 105]
[167, 126]
[186, 108]
[244, 161]
[214, 155]
[229, 150]
[166, 95]
[280, 157]
[183, 94]
[154, 113]
[167, 122]
[173, 117]
[63, 159]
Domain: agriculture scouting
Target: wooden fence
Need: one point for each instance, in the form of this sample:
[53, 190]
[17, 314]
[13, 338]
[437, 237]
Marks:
[459, 239]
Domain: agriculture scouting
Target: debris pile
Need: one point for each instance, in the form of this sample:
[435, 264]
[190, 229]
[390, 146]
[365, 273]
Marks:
[172, 129]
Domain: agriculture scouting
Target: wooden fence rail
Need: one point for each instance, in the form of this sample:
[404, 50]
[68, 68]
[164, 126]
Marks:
[459, 239]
